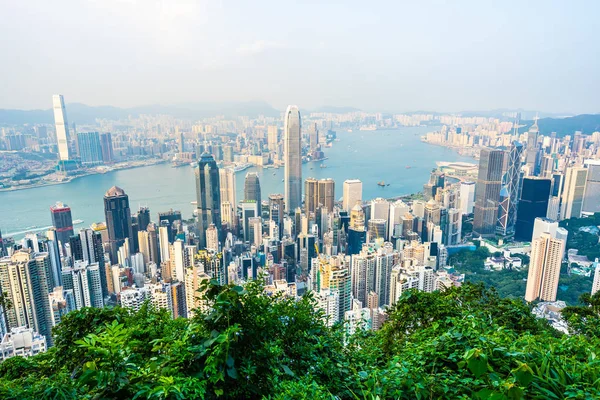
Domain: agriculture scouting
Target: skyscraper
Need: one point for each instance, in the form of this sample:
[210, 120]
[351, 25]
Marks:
[532, 149]
[487, 191]
[292, 157]
[2, 246]
[326, 193]
[573, 192]
[276, 211]
[118, 220]
[143, 218]
[62, 222]
[90, 149]
[510, 192]
[252, 187]
[228, 191]
[533, 204]
[591, 200]
[544, 268]
[352, 193]
[62, 127]
[107, 147]
[208, 196]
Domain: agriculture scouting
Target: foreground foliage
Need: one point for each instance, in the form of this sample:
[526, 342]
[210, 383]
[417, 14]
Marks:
[465, 343]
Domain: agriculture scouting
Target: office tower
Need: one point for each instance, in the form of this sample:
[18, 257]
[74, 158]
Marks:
[357, 217]
[487, 192]
[311, 200]
[90, 148]
[313, 137]
[3, 252]
[62, 222]
[276, 211]
[510, 192]
[163, 241]
[228, 190]
[377, 229]
[255, 231]
[533, 204]
[273, 138]
[436, 182]
[352, 193]
[61, 302]
[143, 218]
[252, 187]
[208, 196]
[171, 220]
[397, 210]
[87, 246]
[532, 154]
[573, 192]
[153, 247]
[106, 147]
[591, 199]
[62, 127]
[53, 250]
[326, 193]
[292, 158]
[544, 268]
[380, 209]
[24, 281]
[118, 220]
[249, 209]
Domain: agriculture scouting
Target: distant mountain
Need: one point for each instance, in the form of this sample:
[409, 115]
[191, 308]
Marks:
[83, 114]
[334, 110]
[586, 123]
[502, 112]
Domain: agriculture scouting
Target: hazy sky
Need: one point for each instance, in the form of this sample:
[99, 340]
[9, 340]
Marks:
[385, 55]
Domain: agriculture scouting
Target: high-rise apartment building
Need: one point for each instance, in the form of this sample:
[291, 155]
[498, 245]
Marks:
[573, 192]
[118, 220]
[487, 191]
[544, 268]
[208, 196]
[292, 157]
[107, 148]
[352, 193]
[62, 222]
[62, 127]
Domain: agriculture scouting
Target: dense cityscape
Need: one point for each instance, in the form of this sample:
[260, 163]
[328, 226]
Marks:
[356, 256]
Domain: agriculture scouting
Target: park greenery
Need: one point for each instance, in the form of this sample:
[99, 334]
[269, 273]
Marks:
[465, 342]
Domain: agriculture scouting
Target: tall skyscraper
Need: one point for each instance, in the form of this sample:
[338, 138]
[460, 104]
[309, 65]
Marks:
[62, 127]
[326, 193]
[292, 157]
[90, 149]
[467, 197]
[533, 151]
[143, 218]
[24, 280]
[352, 193]
[107, 147]
[276, 211]
[510, 192]
[62, 222]
[487, 191]
[533, 204]
[573, 192]
[591, 200]
[544, 268]
[311, 200]
[3, 252]
[252, 187]
[208, 196]
[118, 220]
[228, 192]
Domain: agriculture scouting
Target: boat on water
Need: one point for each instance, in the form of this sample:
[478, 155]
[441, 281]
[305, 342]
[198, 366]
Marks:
[382, 183]
[322, 166]
[282, 180]
[273, 173]
[408, 167]
[77, 221]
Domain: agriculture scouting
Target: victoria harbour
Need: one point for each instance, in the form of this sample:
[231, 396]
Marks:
[357, 154]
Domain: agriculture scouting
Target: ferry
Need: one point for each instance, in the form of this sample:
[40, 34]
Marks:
[322, 166]
[382, 183]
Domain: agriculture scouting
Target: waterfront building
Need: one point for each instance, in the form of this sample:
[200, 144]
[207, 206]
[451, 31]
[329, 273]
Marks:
[352, 193]
[118, 220]
[487, 192]
[62, 127]
[208, 196]
[90, 148]
[106, 147]
[292, 157]
[62, 222]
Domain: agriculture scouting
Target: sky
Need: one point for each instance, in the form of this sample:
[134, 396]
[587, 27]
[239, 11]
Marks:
[374, 55]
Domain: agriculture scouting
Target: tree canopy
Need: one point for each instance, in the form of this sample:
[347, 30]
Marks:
[466, 342]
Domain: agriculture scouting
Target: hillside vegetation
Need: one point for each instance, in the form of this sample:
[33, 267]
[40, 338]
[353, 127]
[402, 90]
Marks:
[466, 343]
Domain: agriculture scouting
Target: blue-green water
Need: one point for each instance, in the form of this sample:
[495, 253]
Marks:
[370, 156]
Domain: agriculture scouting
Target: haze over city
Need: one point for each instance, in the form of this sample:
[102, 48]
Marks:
[390, 56]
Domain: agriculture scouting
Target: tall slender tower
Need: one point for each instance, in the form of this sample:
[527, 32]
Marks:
[510, 192]
[292, 157]
[487, 191]
[544, 267]
[62, 222]
[118, 220]
[62, 127]
[208, 196]
[252, 187]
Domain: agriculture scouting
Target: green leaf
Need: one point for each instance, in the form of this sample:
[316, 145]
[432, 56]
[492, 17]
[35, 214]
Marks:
[232, 372]
[287, 370]
[477, 362]
[523, 374]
